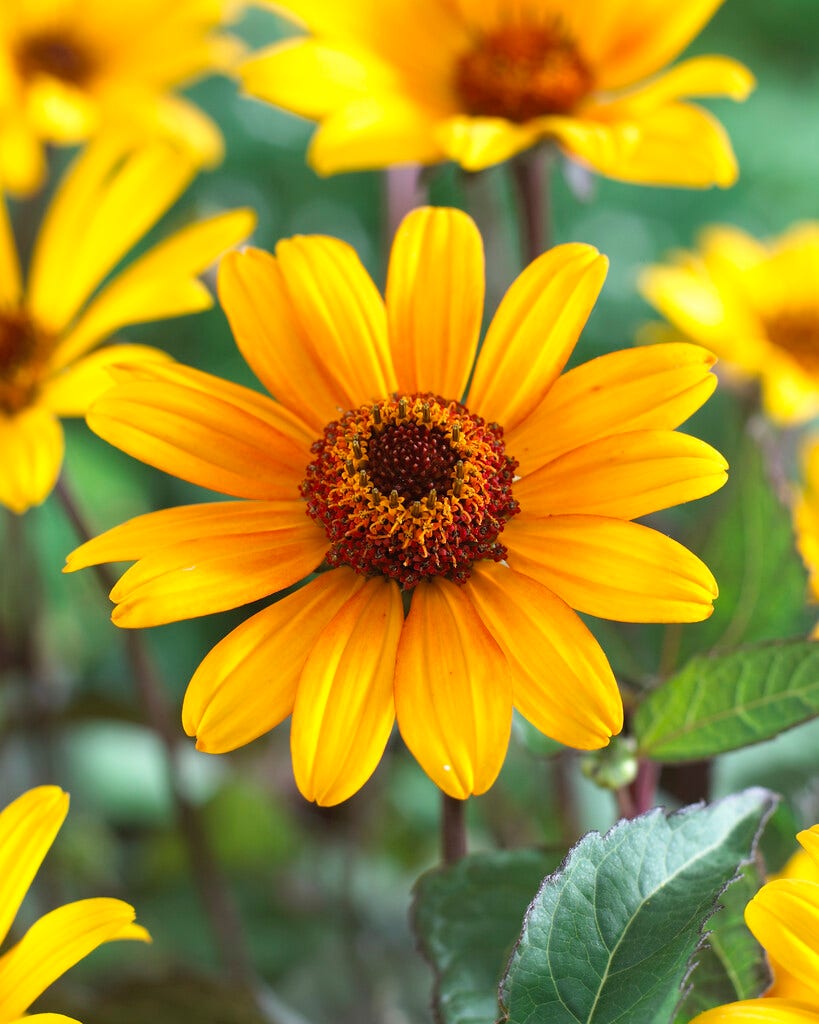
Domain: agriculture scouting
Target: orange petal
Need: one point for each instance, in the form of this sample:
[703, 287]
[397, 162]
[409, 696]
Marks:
[453, 693]
[760, 1011]
[652, 388]
[247, 684]
[784, 918]
[561, 680]
[344, 709]
[612, 569]
[435, 289]
[534, 331]
[32, 444]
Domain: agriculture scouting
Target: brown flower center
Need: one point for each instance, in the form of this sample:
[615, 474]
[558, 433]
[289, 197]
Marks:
[797, 332]
[411, 488]
[24, 354]
[56, 54]
[521, 72]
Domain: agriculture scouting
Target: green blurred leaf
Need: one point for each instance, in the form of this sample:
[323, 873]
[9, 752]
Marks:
[610, 936]
[727, 701]
[732, 965]
[467, 918]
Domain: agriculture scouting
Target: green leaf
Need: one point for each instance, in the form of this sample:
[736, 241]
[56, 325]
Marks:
[609, 937]
[732, 965]
[726, 701]
[467, 918]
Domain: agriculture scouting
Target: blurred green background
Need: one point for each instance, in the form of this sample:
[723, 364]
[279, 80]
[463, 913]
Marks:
[324, 895]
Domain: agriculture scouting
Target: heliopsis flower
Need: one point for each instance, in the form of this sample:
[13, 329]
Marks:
[756, 305]
[806, 518]
[71, 68]
[477, 81]
[106, 203]
[455, 510]
[61, 938]
[784, 918]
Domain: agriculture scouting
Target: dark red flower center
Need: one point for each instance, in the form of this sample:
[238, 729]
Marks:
[53, 53]
[797, 332]
[411, 488]
[522, 72]
[24, 353]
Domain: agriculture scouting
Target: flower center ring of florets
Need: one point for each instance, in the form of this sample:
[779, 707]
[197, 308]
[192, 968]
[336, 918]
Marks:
[24, 354]
[411, 488]
[521, 72]
[54, 54]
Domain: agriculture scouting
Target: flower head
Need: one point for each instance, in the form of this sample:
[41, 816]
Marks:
[72, 68]
[62, 937]
[477, 82]
[107, 201]
[756, 305]
[456, 509]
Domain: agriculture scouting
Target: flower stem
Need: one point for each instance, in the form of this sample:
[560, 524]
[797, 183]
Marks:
[404, 191]
[453, 829]
[531, 171]
[225, 924]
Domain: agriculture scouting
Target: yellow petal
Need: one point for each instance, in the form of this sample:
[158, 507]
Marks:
[186, 124]
[344, 710]
[22, 161]
[784, 918]
[809, 840]
[210, 439]
[162, 283]
[760, 1011]
[61, 112]
[699, 76]
[341, 315]
[44, 1018]
[55, 943]
[435, 289]
[534, 331]
[624, 476]
[247, 684]
[71, 392]
[28, 827]
[656, 387]
[453, 693]
[561, 680]
[10, 281]
[612, 569]
[480, 142]
[32, 444]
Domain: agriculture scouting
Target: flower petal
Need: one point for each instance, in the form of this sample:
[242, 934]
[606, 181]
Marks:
[624, 476]
[55, 943]
[28, 827]
[453, 693]
[72, 392]
[699, 76]
[32, 444]
[435, 290]
[344, 710]
[247, 684]
[760, 1011]
[480, 142]
[784, 918]
[652, 388]
[561, 680]
[612, 569]
[534, 331]
[203, 430]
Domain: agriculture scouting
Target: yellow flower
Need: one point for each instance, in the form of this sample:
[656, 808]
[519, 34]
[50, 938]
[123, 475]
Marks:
[756, 305]
[458, 537]
[62, 937]
[106, 203]
[477, 81]
[71, 68]
[784, 918]
[806, 519]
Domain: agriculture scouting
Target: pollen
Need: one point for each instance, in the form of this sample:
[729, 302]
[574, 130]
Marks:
[411, 488]
[521, 72]
[24, 354]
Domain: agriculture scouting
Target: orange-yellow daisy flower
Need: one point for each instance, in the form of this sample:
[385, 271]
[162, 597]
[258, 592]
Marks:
[61, 938]
[784, 918]
[806, 518]
[756, 305]
[105, 204]
[477, 81]
[71, 68]
[462, 506]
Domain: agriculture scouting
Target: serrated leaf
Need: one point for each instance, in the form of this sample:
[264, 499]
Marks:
[467, 917]
[727, 701]
[609, 937]
[732, 965]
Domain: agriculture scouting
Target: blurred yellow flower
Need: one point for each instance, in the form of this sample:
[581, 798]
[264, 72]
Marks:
[62, 937]
[756, 305]
[477, 81]
[485, 498]
[71, 68]
[806, 519]
[784, 918]
[107, 201]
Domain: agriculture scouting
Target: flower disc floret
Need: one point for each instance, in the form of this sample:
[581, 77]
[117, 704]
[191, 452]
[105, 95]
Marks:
[24, 354]
[411, 488]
